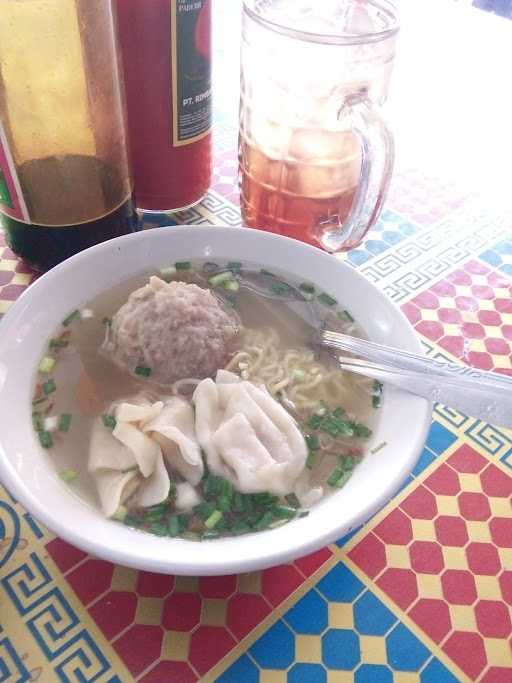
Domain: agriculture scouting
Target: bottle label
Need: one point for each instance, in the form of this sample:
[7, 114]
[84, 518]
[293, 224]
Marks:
[11, 197]
[191, 70]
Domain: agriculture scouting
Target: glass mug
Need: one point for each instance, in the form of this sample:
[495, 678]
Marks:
[315, 153]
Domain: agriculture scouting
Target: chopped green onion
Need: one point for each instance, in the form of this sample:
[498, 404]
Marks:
[68, 475]
[348, 462]
[339, 477]
[232, 286]
[377, 394]
[327, 300]
[107, 321]
[47, 364]
[339, 412]
[230, 300]
[172, 490]
[310, 461]
[109, 421]
[221, 278]
[49, 386]
[204, 510]
[241, 503]
[183, 265]
[64, 422]
[227, 490]
[264, 498]
[213, 519]
[132, 520]
[38, 401]
[72, 316]
[306, 287]
[312, 442]
[133, 468]
[142, 371]
[120, 513]
[159, 529]
[284, 512]
[212, 486]
[234, 266]
[183, 521]
[315, 421]
[299, 376]
[292, 500]
[280, 288]
[362, 431]
[264, 521]
[45, 439]
[155, 513]
[37, 421]
[168, 273]
[224, 504]
[239, 527]
[58, 343]
[329, 426]
[345, 315]
[173, 526]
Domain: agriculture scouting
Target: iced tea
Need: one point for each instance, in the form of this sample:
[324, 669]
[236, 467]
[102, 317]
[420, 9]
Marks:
[304, 193]
[315, 155]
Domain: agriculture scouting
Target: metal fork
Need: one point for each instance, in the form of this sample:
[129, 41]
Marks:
[485, 395]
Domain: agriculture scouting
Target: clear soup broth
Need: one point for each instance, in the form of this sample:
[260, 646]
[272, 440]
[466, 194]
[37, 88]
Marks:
[309, 430]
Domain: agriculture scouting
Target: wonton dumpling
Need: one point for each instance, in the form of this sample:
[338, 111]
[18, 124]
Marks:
[114, 487]
[248, 437]
[129, 461]
[155, 488]
[173, 429]
[145, 450]
[123, 462]
[107, 453]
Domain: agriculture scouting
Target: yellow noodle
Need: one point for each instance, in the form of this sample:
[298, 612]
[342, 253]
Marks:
[305, 379]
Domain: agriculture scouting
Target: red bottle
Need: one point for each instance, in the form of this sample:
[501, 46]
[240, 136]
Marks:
[166, 52]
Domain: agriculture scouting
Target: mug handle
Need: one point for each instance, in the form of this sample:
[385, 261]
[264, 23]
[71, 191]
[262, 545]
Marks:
[377, 159]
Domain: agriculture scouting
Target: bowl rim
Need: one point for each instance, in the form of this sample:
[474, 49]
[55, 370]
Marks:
[276, 550]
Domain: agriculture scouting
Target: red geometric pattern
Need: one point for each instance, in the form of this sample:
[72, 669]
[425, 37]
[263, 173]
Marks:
[469, 314]
[168, 628]
[443, 557]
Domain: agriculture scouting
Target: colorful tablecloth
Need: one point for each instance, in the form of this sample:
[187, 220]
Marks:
[423, 592]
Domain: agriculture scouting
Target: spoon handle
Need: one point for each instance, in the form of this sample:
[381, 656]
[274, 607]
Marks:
[468, 395]
[405, 360]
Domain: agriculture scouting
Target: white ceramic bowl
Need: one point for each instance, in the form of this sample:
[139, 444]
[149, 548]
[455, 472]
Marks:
[27, 470]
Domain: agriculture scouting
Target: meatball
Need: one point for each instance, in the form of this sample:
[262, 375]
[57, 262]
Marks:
[176, 330]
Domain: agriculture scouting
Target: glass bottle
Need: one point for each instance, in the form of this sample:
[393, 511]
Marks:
[65, 180]
[167, 68]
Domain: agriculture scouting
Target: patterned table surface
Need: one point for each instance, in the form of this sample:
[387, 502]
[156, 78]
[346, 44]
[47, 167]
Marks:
[423, 591]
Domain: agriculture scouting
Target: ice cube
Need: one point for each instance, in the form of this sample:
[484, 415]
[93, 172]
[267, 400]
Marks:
[322, 146]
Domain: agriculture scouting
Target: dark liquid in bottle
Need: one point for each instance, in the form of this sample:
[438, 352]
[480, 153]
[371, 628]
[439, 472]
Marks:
[76, 193]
